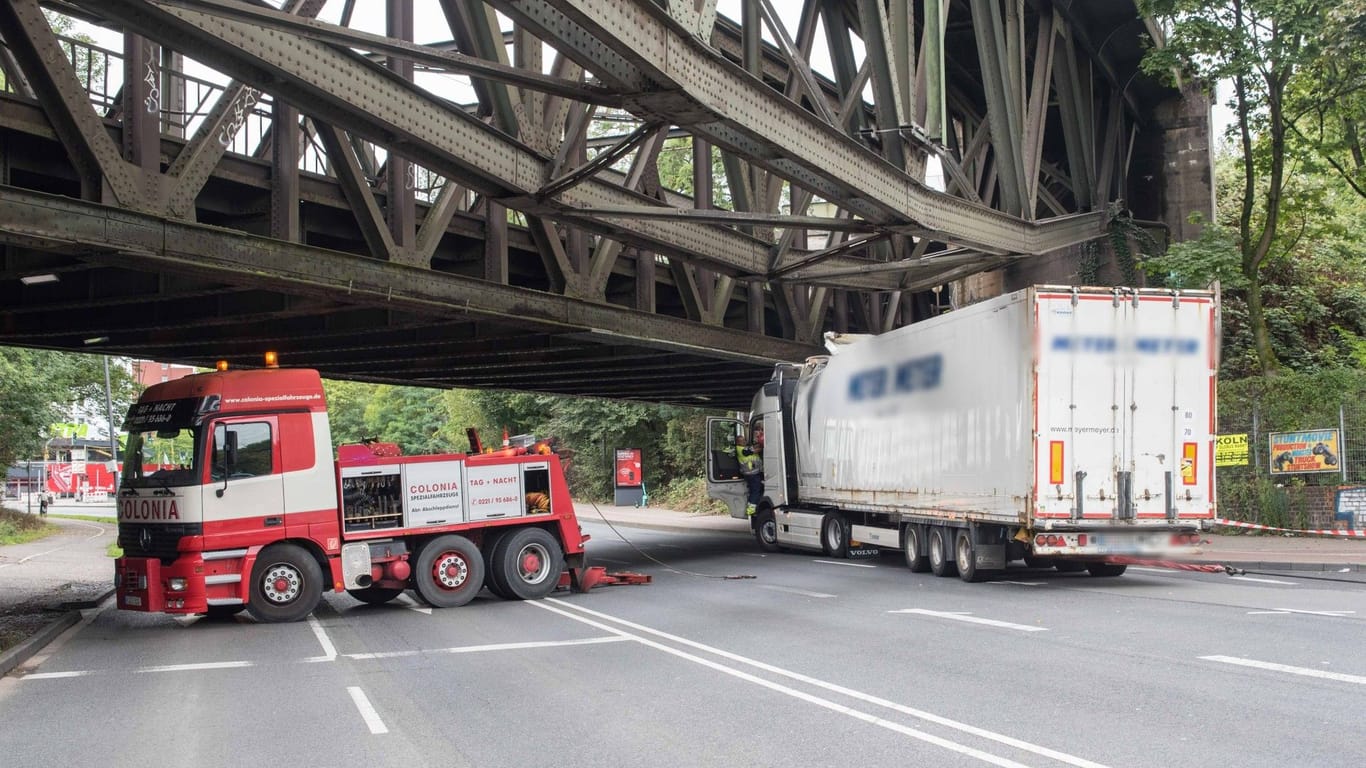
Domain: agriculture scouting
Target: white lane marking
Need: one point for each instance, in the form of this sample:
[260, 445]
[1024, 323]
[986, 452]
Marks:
[196, 667]
[329, 650]
[1020, 583]
[1340, 677]
[483, 648]
[1263, 581]
[413, 605]
[793, 591]
[98, 533]
[55, 675]
[6, 565]
[367, 712]
[962, 616]
[973, 730]
[1296, 610]
[1165, 571]
[837, 562]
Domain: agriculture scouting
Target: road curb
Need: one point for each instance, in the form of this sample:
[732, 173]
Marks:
[25, 650]
[81, 605]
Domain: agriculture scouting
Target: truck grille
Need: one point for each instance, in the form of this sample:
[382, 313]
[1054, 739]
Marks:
[155, 539]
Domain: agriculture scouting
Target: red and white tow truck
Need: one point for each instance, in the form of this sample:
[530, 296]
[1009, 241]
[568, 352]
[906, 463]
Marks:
[231, 499]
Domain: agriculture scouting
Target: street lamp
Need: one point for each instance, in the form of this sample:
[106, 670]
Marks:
[113, 435]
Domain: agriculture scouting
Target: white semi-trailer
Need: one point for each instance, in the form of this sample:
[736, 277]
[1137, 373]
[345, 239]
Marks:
[1063, 426]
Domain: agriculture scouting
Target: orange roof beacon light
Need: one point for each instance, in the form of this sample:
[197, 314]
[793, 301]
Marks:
[221, 365]
[272, 359]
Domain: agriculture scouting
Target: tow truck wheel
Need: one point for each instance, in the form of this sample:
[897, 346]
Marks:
[375, 595]
[528, 562]
[911, 545]
[492, 577]
[834, 536]
[940, 564]
[1106, 570]
[286, 584]
[766, 530]
[966, 556]
[449, 571]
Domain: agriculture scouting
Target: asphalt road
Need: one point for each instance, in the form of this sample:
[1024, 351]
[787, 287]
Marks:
[812, 662]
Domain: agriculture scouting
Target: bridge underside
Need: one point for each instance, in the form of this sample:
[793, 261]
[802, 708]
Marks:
[638, 215]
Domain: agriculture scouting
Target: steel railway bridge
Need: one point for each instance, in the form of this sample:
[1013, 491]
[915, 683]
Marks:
[643, 199]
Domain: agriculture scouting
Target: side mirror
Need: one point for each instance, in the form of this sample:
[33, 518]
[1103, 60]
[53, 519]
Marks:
[228, 460]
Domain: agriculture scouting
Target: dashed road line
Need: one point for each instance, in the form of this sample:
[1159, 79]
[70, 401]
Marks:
[483, 648]
[1263, 581]
[329, 650]
[367, 710]
[1274, 667]
[793, 591]
[969, 618]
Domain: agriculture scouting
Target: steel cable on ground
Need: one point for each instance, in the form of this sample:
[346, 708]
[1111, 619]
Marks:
[666, 566]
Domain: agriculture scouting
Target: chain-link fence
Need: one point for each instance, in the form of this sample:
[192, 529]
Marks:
[1306, 451]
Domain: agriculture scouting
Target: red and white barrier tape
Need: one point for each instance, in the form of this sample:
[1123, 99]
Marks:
[1172, 564]
[1259, 527]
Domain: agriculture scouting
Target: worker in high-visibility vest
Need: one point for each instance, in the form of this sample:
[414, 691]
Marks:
[751, 458]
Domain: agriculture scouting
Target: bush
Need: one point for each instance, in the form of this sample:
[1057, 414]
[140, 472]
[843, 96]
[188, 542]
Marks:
[17, 527]
[688, 494]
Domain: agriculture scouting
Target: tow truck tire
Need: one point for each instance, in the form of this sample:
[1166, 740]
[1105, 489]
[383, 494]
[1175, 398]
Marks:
[834, 535]
[492, 577]
[286, 584]
[449, 571]
[375, 595]
[911, 545]
[527, 563]
[1106, 570]
[941, 563]
[1068, 566]
[766, 530]
[965, 556]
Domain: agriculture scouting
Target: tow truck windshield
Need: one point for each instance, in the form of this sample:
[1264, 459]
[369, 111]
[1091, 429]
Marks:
[162, 458]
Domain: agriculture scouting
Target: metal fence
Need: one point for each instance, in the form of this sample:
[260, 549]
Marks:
[1304, 468]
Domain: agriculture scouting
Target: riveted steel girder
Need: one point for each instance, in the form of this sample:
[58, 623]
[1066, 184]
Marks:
[636, 47]
[351, 92]
[159, 244]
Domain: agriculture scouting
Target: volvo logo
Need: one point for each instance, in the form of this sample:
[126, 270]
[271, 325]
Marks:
[145, 539]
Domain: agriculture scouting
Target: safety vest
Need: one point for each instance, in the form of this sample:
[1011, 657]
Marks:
[749, 460]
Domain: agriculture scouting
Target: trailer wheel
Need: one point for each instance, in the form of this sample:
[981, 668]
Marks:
[492, 575]
[1106, 570]
[966, 556]
[911, 544]
[449, 571]
[286, 584]
[766, 530]
[940, 562]
[375, 595]
[835, 535]
[527, 563]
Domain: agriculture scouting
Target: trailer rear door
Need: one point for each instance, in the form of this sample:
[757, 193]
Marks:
[1124, 399]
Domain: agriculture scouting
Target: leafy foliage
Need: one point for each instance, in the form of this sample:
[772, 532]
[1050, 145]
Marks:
[39, 387]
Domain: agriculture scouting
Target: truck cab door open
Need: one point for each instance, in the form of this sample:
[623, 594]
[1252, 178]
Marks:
[724, 481]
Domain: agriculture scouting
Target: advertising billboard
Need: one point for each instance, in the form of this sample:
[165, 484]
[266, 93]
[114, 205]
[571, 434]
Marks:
[1312, 451]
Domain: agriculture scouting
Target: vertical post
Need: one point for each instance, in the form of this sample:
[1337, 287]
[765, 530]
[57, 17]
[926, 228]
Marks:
[113, 431]
[1342, 443]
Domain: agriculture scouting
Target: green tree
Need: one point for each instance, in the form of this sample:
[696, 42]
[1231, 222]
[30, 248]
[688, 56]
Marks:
[1259, 46]
[40, 387]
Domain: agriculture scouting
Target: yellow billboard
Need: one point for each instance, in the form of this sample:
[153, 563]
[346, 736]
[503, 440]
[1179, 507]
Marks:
[1315, 451]
[1231, 450]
